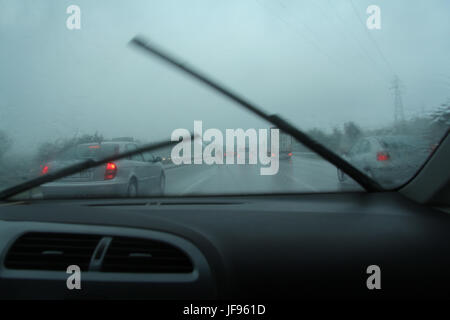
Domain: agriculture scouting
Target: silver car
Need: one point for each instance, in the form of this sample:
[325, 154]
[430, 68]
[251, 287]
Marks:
[387, 159]
[131, 177]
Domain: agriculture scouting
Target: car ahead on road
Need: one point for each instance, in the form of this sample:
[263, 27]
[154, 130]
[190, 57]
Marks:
[387, 157]
[130, 177]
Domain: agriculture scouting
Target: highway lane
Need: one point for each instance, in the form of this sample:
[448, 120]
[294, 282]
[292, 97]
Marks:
[302, 173]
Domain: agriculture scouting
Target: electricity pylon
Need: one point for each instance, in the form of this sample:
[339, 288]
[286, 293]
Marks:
[399, 116]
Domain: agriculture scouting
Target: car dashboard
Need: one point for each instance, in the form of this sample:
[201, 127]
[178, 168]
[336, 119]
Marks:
[235, 247]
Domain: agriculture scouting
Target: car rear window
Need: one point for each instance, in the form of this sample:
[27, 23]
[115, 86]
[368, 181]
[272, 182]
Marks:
[91, 151]
[96, 151]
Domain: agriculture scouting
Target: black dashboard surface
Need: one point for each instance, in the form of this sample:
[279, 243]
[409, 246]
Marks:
[316, 245]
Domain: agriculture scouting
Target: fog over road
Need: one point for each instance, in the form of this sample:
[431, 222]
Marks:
[302, 173]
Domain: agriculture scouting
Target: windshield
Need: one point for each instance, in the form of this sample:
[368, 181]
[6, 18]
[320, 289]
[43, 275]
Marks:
[351, 74]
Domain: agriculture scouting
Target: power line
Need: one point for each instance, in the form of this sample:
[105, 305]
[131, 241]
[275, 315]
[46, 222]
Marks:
[353, 36]
[365, 52]
[297, 31]
[355, 10]
[302, 23]
[399, 116]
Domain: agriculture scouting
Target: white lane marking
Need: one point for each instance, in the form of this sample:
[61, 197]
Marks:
[177, 166]
[176, 185]
[195, 184]
[307, 185]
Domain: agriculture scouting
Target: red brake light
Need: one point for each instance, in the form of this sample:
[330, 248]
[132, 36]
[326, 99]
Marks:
[382, 156]
[111, 171]
[44, 170]
[94, 147]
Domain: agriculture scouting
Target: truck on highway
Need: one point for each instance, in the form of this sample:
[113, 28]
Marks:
[285, 143]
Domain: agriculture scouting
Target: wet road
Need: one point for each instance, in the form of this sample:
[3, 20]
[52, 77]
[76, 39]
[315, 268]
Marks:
[302, 173]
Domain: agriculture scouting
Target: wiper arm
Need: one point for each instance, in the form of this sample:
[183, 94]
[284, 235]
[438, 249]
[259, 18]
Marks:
[366, 182]
[49, 177]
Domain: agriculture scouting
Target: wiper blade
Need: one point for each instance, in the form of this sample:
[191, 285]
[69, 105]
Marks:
[365, 181]
[91, 163]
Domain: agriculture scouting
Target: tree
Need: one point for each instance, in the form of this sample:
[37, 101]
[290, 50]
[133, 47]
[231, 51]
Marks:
[352, 131]
[336, 140]
[441, 116]
[88, 138]
[49, 150]
[439, 122]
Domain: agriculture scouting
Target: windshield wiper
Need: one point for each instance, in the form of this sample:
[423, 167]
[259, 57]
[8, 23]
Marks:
[87, 164]
[366, 182]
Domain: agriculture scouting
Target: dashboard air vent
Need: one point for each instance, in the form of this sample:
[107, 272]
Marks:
[51, 251]
[145, 256]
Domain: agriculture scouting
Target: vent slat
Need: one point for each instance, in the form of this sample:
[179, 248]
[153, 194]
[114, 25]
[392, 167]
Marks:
[51, 251]
[63, 264]
[153, 257]
[27, 255]
[155, 269]
[158, 252]
[54, 245]
[141, 245]
[164, 258]
[36, 239]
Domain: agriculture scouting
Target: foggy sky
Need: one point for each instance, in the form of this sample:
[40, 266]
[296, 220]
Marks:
[311, 61]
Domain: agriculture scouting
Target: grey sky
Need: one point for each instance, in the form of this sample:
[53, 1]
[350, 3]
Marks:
[311, 61]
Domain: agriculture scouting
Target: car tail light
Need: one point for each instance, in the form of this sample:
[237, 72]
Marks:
[111, 171]
[382, 156]
[44, 170]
